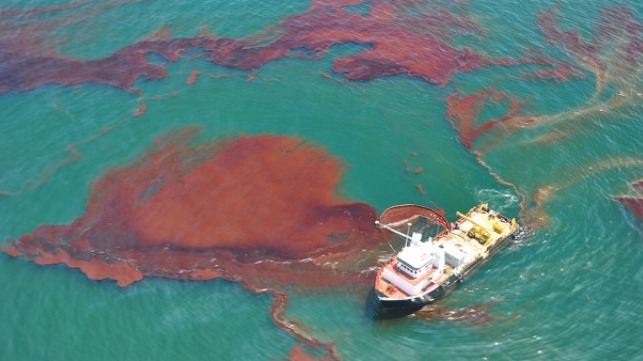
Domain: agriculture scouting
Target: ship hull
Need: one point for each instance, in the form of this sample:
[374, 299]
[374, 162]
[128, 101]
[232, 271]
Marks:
[380, 307]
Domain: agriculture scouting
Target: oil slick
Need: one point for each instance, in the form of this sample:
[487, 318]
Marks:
[253, 209]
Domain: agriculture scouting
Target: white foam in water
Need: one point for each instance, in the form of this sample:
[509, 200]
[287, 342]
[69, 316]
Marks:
[497, 199]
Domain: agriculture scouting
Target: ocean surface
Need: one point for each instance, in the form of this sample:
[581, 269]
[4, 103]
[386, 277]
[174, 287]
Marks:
[570, 289]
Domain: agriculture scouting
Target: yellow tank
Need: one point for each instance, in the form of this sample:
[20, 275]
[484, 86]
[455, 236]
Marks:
[499, 227]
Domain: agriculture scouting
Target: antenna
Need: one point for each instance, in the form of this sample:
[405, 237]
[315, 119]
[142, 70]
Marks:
[408, 231]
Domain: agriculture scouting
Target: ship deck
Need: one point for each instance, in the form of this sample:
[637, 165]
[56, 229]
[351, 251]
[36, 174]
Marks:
[460, 239]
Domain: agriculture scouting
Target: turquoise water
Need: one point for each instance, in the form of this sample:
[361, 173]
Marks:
[572, 289]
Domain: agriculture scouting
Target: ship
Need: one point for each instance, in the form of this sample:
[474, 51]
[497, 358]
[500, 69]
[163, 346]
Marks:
[429, 267]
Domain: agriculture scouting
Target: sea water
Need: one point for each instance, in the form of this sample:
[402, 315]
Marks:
[572, 289]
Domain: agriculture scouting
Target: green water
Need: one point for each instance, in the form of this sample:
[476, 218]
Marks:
[570, 290]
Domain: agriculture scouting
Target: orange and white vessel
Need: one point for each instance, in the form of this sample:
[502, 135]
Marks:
[428, 268]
